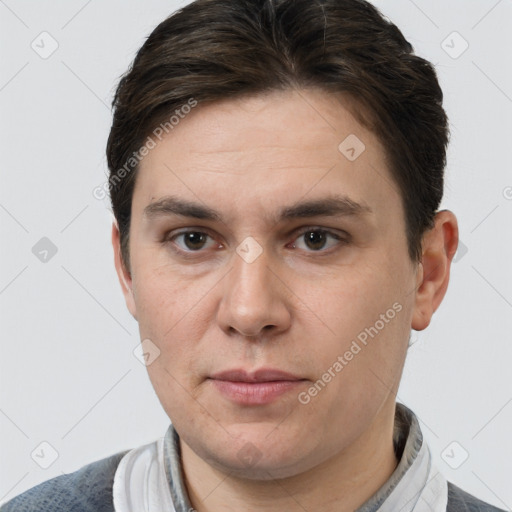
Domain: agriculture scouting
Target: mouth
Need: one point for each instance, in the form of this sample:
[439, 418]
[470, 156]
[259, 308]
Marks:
[259, 387]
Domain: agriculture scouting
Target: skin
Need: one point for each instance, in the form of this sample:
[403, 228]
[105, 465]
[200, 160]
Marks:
[296, 307]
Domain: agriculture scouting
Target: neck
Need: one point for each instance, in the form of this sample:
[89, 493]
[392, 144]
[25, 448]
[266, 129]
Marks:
[340, 484]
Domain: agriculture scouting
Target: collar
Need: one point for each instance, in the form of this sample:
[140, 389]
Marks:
[151, 478]
[416, 484]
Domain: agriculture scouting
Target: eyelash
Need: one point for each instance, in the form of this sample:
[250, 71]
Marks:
[343, 240]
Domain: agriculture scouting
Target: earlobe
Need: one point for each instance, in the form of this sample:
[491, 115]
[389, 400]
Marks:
[123, 275]
[438, 249]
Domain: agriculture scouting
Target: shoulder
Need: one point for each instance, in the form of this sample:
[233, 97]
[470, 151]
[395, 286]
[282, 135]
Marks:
[461, 501]
[88, 489]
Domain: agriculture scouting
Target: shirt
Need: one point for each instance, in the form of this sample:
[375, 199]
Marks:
[150, 479]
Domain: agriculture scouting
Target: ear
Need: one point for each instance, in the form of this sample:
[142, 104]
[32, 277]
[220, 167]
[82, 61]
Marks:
[123, 274]
[438, 249]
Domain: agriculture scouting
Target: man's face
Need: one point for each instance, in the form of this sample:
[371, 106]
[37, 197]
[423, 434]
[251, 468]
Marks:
[256, 289]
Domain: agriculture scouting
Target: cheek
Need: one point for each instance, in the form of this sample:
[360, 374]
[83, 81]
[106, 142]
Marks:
[163, 298]
[363, 318]
[351, 299]
[358, 373]
[173, 317]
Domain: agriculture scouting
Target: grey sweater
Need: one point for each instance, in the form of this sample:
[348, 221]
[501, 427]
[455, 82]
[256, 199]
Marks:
[89, 489]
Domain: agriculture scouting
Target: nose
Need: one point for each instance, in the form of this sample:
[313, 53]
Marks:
[254, 302]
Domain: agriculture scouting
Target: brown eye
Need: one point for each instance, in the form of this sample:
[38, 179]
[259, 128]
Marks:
[194, 240]
[190, 241]
[315, 240]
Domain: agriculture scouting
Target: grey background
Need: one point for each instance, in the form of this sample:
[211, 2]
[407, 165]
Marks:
[68, 373]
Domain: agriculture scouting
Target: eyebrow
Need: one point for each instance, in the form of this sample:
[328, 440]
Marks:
[330, 206]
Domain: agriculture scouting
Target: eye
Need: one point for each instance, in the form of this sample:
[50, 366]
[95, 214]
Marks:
[316, 239]
[192, 241]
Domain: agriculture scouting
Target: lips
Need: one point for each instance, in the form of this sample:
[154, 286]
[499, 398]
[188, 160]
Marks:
[262, 375]
[259, 387]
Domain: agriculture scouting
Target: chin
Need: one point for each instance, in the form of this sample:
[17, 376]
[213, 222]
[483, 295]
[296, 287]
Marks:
[263, 467]
[259, 452]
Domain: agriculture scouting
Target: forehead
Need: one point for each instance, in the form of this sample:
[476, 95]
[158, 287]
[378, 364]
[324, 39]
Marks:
[261, 151]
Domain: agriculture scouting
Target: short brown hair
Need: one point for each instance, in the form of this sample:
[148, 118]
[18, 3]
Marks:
[213, 50]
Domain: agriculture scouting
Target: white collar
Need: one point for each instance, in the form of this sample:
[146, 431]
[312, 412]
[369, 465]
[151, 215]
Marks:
[150, 478]
[140, 481]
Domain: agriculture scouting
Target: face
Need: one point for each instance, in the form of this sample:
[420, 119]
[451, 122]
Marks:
[270, 272]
